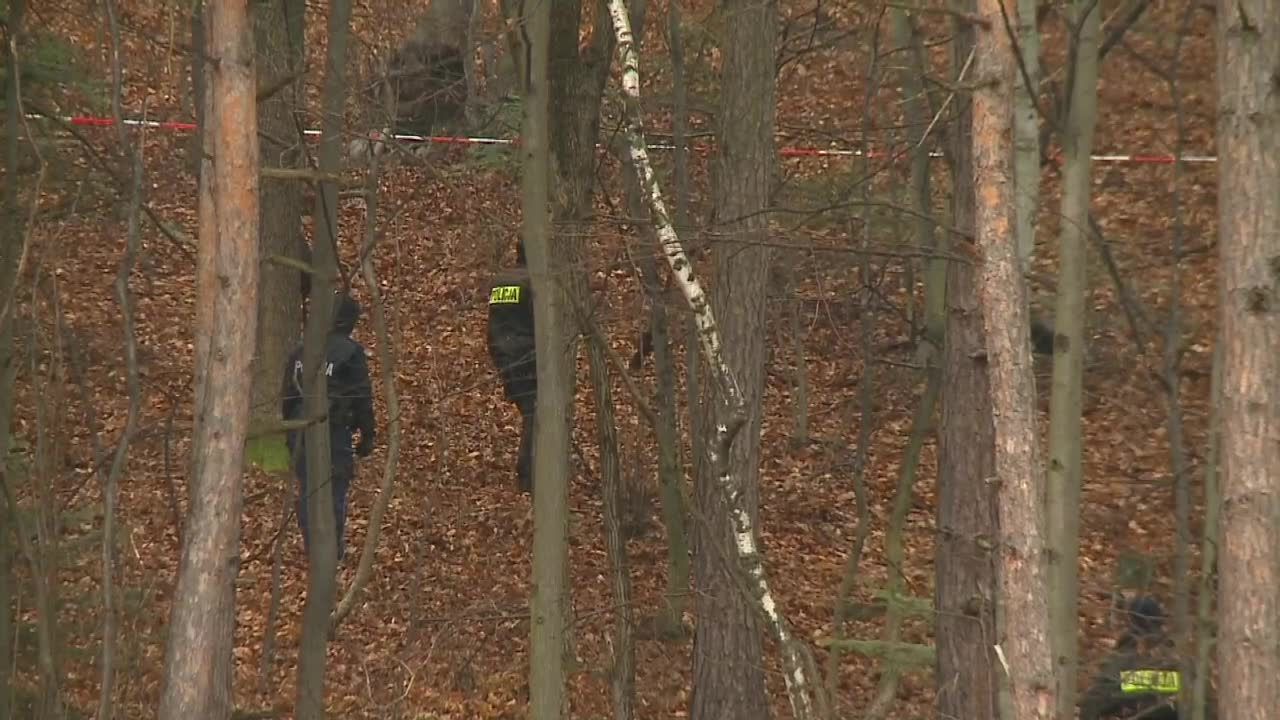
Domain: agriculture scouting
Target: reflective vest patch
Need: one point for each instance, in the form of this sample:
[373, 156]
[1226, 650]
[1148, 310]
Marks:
[504, 295]
[1161, 682]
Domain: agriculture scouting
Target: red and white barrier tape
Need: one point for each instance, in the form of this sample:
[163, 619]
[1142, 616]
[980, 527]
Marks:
[789, 152]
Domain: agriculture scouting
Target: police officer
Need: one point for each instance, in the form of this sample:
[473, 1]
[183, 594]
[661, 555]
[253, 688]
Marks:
[350, 410]
[1141, 677]
[511, 347]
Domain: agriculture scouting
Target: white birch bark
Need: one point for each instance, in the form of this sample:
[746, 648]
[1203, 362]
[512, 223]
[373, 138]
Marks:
[744, 531]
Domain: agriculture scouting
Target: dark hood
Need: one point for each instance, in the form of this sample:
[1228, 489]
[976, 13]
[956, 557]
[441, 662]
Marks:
[1146, 616]
[346, 313]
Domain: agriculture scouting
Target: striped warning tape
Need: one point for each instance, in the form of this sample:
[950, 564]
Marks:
[788, 152]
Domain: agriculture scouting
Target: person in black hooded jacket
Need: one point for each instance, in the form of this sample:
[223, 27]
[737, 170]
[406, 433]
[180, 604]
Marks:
[1140, 678]
[350, 410]
[512, 349]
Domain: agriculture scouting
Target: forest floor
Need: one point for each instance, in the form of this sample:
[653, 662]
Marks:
[442, 631]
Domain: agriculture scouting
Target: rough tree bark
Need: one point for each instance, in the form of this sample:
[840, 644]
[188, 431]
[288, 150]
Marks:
[279, 42]
[549, 606]
[1023, 637]
[968, 677]
[732, 411]
[728, 672]
[1065, 406]
[1026, 128]
[322, 553]
[670, 621]
[11, 241]
[623, 673]
[1210, 542]
[198, 663]
[1248, 139]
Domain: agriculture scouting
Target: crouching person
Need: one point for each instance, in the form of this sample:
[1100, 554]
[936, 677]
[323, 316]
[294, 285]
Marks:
[350, 411]
[1140, 678]
[512, 350]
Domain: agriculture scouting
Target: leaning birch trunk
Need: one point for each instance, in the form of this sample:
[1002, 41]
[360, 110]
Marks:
[1026, 129]
[1023, 632]
[1065, 407]
[1248, 140]
[198, 656]
[797, 670]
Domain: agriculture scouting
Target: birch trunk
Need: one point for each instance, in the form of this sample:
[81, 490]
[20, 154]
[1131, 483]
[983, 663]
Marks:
[1065, 406]
[1248, 138]
[731, 415]
[198, 662]
[1023, 638]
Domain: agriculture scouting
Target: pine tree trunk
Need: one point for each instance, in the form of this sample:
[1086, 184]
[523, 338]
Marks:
[1023, 624]
[1249, 250]
[968, 677]
[1026, 130]
[198, 663]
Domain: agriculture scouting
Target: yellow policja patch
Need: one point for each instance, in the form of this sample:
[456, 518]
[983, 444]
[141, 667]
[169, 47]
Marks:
[1163, 682]
[504, 295]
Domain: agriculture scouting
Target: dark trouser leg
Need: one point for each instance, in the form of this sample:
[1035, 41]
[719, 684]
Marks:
[300, 498]
[343, 472]
[522, 389]
[524, 464]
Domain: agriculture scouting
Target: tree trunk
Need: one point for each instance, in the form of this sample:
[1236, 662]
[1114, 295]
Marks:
[124, 296]
[1023, 635]
[1210, 542]
[322, 553]
[1065, 407]
[279, 40]
[549, 605]
[670, 621]
[733, 416]
[199, 92]
[1248, 243]
[198, 666]
[968, 678]
[623, 672]
[1026, 128]
[11, 240]
[728, 670]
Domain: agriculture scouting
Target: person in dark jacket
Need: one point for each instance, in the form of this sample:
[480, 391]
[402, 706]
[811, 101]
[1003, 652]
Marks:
[350, 410]
[1140, 678]
[511, 347]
